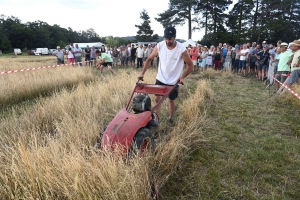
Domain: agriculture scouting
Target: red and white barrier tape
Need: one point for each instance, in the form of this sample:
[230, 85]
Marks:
[42, 67]
[286, 87]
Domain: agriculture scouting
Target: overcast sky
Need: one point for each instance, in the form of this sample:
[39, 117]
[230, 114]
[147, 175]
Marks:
[106, 17]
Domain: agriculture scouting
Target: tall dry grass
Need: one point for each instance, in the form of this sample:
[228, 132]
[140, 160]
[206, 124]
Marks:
[47, 152]
[27, 85]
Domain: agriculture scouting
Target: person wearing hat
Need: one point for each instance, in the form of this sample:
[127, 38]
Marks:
[59, 55]
[172, 55]
[283, 65]
[295, 62]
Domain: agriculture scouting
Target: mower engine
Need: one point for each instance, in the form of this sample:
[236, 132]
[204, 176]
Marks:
[141, 103]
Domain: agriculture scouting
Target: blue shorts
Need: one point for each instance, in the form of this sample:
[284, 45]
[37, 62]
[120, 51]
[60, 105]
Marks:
[295, 75]
[243, 64]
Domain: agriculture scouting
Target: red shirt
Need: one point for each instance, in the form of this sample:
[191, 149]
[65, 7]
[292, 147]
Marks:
[194, 51]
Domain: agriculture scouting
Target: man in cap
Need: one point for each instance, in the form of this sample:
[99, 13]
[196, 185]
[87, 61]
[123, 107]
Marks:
[172, 56]
[283, 65]
[295, 62]
[59, 55]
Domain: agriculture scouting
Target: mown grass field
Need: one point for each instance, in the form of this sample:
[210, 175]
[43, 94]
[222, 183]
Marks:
[231, 140]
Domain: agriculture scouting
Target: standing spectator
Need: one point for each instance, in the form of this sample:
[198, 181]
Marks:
[194, 56]
[236, 59]
[262, 57]
[115, 56]
[70, 55]
[93, 55]
[252, 58]
[59, 55]
[224, 53]
[218, 58]
[209, 59]
[108, 51]
[295, 63]
[132, 55]
[147, 52]
[105, 61]
[124, 55]
[77, 54]
[102, 50]
[140, 56]
[274, 64]
[283, 64]
[128, 57]
[203, 57]
[228, 59]
[243, 59]
[87, 53]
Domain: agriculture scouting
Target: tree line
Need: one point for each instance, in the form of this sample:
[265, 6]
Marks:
[248, 20]
[31, 35]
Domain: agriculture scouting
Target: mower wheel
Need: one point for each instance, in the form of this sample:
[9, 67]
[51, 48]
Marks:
[143, 141]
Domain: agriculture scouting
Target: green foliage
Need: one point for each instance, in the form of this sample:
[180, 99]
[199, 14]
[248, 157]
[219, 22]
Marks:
[144, 34]
[179, 12]
[30, 35]
[112, 41]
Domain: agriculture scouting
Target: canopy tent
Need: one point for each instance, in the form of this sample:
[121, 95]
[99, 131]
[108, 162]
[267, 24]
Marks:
[91, 44]
[189, 42]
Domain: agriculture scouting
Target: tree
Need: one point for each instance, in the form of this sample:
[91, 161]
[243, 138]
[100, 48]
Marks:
[178, 13]
[145, 33]
[239, 20]
[112, 41]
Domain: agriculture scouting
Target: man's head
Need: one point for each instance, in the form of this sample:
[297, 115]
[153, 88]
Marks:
[149, 46]
[98, 53]
[271, 46]
[76, 45]
[266, 47]
[248, 44]
[93, 47]
[141, 46]
[58, 48]
[264, 43]
[295, 45]
[278, 43]
[220, 45]
[87, 46]
[244, 46]
[258, 46]
[253, 44]
[132, 46]
[283, 47]
[170, 35]
[224, 45]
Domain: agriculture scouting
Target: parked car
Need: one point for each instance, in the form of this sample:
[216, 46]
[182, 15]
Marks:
[41, 51]
[31, 52]
[51, 51]
[17, 51]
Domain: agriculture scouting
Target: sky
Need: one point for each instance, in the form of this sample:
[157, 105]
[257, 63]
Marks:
[107, 17]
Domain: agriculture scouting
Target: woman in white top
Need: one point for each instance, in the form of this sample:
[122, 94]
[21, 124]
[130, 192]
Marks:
[209, 59]
[70, 55]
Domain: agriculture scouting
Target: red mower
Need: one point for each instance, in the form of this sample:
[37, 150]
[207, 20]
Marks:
[131, 129]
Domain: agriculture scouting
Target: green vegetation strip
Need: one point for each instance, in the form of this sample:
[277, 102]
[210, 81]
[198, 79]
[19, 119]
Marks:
[253, 147]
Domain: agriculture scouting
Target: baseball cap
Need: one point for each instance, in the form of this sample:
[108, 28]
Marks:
[266, 46]
[170, 32]
[58, 47]
[264, 42]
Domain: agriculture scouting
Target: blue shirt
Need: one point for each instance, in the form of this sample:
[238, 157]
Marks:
[224, 51]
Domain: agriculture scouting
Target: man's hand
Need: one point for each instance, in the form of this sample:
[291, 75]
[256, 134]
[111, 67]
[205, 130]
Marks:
[180, 80]
[141, 77]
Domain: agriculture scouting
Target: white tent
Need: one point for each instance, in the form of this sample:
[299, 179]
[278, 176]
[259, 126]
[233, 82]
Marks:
[189, 42]
[91, 44]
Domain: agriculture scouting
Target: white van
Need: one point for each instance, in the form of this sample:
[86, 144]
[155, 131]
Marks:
[41, 51]
[17, 51]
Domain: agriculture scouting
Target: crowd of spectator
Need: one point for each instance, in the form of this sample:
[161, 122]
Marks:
[260, 60]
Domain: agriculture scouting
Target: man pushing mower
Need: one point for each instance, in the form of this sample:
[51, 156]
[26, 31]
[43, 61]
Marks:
[172, 55]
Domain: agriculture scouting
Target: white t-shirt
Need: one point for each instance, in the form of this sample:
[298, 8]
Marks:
[295, 60]
[242, 52]
[70, 54]
[170, 63]
[140, 52]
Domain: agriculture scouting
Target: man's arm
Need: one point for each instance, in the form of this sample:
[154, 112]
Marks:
[148, 61]
[190, 68]
[291, 59]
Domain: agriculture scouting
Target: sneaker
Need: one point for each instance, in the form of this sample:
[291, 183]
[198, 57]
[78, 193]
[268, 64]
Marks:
[170, 120]
[153, 123]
